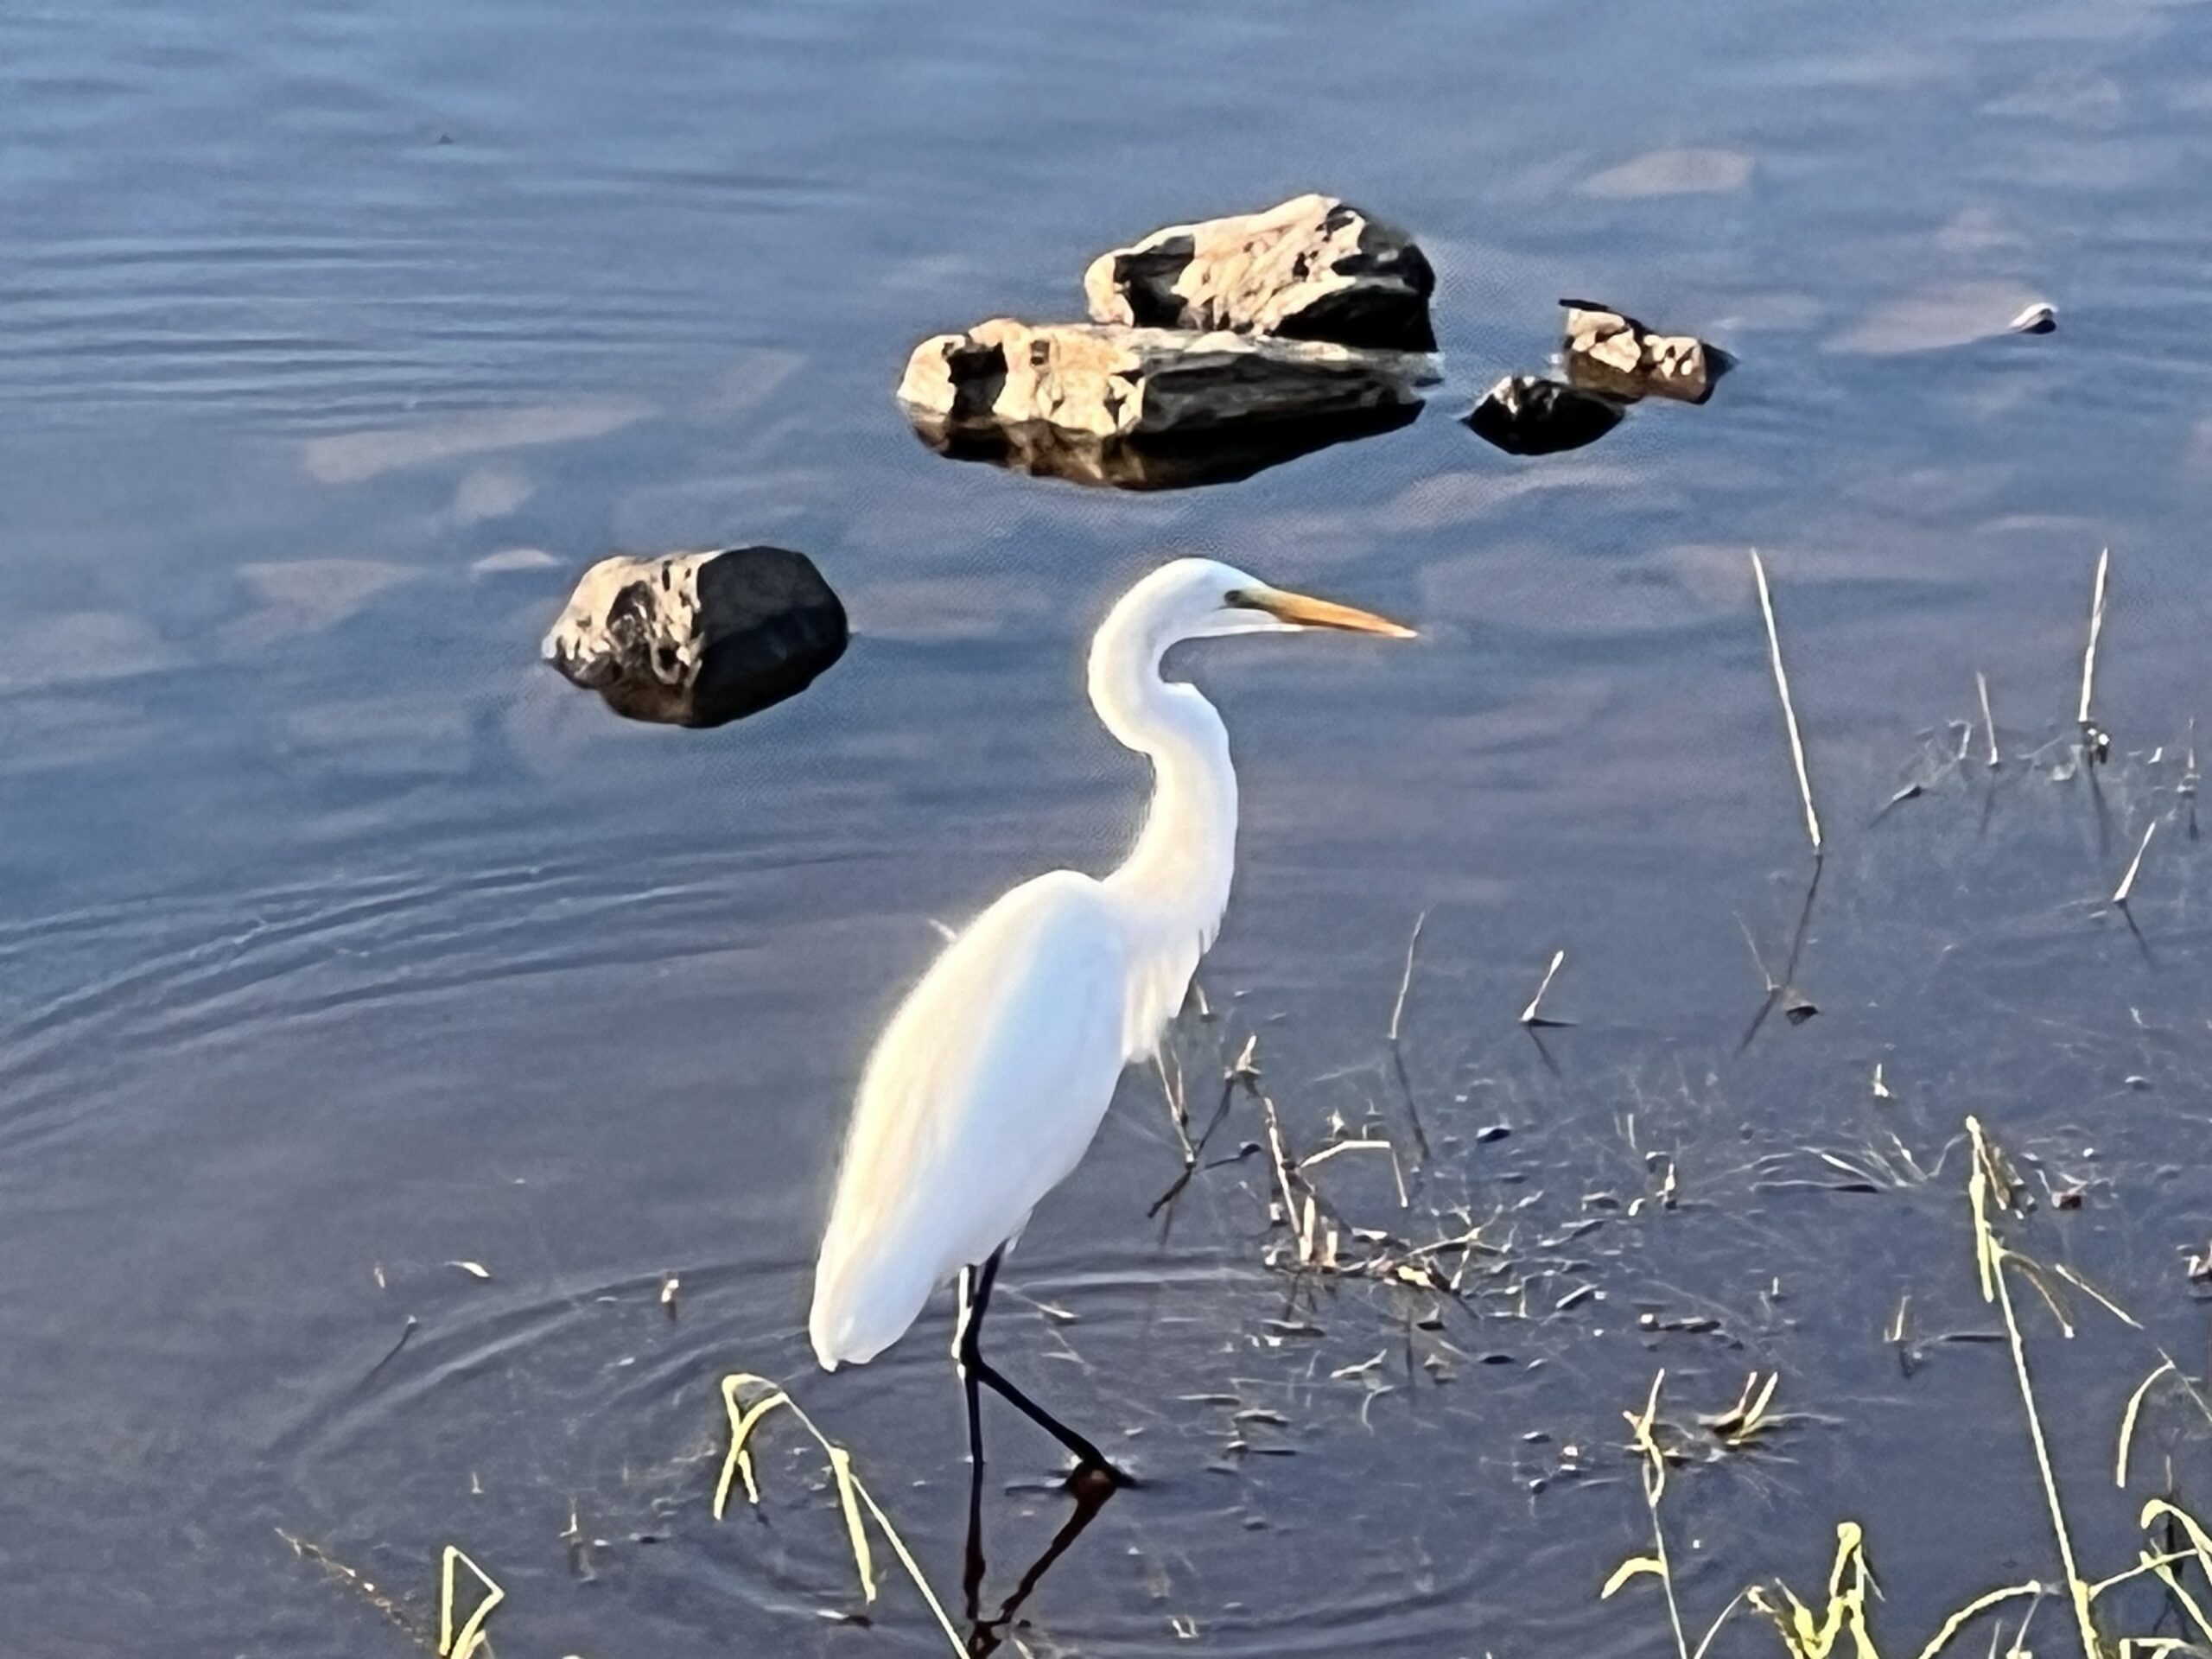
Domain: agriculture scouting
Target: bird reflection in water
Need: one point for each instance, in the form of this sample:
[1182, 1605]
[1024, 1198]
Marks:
[1088, 1490]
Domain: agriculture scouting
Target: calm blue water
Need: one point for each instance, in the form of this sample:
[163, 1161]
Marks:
[339, 941]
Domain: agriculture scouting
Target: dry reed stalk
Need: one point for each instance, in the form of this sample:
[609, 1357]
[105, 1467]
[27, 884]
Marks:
[1655, 1488]
[1405, 980]
[1788, 709]
[1178, 1110]
[2096, 631]
[1992, 1257]
[2127, 882]
[1284, 1164]
[1529, 1016]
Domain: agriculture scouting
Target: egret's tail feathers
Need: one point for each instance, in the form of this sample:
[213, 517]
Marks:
[861, 1311]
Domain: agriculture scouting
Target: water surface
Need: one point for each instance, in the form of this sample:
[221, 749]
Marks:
[343, 942]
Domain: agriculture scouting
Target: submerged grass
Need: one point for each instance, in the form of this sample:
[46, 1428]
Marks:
[464, 1643]
[2178, 1554]
[749, 1399]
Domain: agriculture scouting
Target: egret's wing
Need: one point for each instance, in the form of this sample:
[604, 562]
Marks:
[983, 1092]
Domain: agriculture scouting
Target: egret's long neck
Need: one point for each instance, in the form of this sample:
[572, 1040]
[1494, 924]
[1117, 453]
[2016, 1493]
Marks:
[1174, 884]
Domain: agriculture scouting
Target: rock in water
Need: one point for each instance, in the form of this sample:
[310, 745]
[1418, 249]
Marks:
[1524, 415]
[698, 639]
[1311, 268]
[1112, 381]
[1615, 353]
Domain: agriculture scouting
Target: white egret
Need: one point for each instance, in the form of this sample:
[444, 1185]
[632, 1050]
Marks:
[997, 1071]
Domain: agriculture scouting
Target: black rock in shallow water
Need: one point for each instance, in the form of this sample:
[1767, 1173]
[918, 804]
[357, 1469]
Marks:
[1525, 414]
[698, 639]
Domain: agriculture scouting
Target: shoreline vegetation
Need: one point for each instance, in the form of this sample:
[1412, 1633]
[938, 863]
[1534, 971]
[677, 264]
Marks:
[2174, 1553]
[1468, 1262]
[2174, 1540]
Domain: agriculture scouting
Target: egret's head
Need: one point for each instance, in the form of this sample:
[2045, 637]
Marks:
[1204, 599]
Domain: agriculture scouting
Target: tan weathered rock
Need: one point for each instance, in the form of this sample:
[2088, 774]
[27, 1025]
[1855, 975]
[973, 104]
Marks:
[1113, 381]
[1611, 353]
[698, 639]
[1312, 268]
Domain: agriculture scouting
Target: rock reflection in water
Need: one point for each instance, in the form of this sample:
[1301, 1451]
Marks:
[1222, 456]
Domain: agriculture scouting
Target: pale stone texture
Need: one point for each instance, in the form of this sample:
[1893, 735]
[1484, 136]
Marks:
[1312, 268]
[1616, 354]
[698, 639]
[1115, 381]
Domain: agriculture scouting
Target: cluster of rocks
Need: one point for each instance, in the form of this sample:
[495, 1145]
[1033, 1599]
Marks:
[1610, 361]
[698, 639]
[1212, 349]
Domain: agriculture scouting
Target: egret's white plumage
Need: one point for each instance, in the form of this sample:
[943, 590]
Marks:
[991, 1078]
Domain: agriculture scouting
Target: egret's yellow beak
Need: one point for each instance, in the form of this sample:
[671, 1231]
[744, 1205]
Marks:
[1303, 611]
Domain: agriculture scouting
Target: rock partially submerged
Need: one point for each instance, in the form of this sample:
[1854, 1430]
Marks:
[1528, 415]
[1608, 352]
[1113, 381]
[1214, 350]
[1312, 268]
[698, 639]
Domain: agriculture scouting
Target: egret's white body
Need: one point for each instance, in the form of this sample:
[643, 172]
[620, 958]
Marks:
[992, 1077]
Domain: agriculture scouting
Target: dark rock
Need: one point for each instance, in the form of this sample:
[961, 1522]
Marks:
[1609, 353]
[698, 639]
[1525, 414]
[1312, 268]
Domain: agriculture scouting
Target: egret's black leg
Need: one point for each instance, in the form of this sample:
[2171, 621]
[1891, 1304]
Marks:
[974, 1370]
[963, 1354]
[971, 1578]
